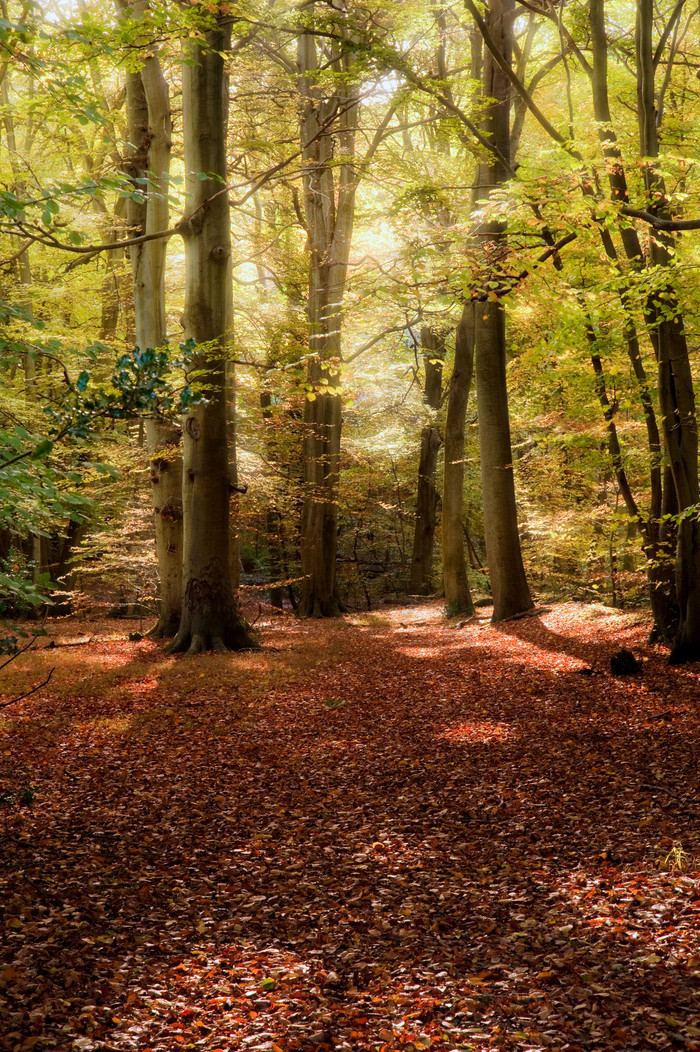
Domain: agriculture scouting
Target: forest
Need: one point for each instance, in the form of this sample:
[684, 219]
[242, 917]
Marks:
[414, 317]
[349, 525]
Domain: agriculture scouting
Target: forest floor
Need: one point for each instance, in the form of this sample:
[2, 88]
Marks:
[380, 832]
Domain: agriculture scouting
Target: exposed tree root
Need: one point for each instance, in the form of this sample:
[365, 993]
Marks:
[533, 611]
[188, 642]
[162, 629]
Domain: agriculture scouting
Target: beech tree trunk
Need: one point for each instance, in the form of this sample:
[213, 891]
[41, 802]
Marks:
[458, 598]
[427, 496]
[273, 540]
[165, 450]
[511, 594]
[328, 126]
[147, 160]
[210, 617]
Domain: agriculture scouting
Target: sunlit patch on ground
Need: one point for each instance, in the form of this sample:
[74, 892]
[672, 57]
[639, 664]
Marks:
[477, 732]
[420, 652]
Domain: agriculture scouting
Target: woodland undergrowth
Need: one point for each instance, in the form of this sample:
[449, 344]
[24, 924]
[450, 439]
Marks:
[380, 832]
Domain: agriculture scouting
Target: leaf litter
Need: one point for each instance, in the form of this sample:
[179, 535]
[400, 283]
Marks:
[380, 833]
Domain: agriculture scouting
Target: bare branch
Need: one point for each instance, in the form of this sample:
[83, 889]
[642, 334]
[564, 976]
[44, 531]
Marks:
[29, 692]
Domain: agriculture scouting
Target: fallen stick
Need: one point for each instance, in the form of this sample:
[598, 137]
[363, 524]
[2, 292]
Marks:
[78, 643]
[29, 693]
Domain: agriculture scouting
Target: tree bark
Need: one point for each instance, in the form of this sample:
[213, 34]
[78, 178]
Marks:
[210, 617]
[427, 496]
[149, 130]
[273, 540]
[458, 598]
[511, 594]
[676, 391]
[662, 314]
[327, 125]
[164, 446]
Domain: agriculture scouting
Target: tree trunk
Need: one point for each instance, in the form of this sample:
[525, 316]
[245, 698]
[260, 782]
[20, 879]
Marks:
[148, 161]
[164, 446]
[663, 314]
[427, 497]
[427, 500]
[273, 540]
[663, 537]
[328, 126]
[511, 594]
[210, 616]
[667, 332]
[458, 599]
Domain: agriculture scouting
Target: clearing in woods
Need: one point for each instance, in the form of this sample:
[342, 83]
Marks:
[380, 832]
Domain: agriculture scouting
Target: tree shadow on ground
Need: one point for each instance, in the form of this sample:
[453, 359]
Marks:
[595, 648]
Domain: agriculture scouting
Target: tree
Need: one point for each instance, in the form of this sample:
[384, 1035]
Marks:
[458, 598]
[210, 615]
[147, 164]
[668, 336]
[662, 309]
[427, 497]
[511, 593]
[328, 121]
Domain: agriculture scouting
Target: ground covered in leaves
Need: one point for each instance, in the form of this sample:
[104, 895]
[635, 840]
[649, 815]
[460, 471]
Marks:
[382, 832]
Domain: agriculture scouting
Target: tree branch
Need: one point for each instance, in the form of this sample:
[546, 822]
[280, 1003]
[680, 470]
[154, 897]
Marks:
[517, 83]
[29, 692]
[657, 222]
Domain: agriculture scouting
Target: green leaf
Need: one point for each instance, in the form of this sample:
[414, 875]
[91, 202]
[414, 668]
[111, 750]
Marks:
[42, 449]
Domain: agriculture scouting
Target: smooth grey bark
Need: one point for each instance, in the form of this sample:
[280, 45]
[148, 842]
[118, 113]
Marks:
[328, 125]
[511, 593]
[427, 496]
[165, 458]
[147, 162]
[116, 292]
[210, 617]
[458, 598]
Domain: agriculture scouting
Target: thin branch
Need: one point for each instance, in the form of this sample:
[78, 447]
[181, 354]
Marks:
[17, 653]
[29, 692]
[668, 28]
[376, 339]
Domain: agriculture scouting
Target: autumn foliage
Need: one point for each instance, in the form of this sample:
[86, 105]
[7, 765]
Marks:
[378, 833]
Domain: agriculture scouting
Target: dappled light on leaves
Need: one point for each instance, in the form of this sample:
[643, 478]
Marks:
[476, 732]
[338, 844]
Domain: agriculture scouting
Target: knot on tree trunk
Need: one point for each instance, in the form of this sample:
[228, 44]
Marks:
[220, 253]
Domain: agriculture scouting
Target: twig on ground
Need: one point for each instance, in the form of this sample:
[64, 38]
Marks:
[78, 643]
[29, 692]
[664, 789]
